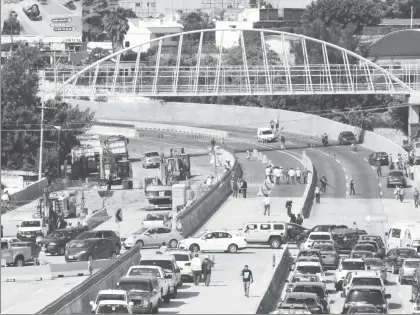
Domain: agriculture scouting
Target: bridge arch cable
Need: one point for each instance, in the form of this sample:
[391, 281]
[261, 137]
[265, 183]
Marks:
[287, 64]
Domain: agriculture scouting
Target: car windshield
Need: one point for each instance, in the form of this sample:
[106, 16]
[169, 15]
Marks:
[363, 310]
[181, 257]
[85, 236]
[406, 253]
[30, 224]
[396, 233]
[361, 254]
[151, 154]
[308, 269]
[143, 271]
[109, 296]
[81, 244]
[322, 228]
[165, 264]
[412, 264]
[382, 154]
[267, 132]
[353, 265]
[140, 231]
[348, 134]
[310, 289]
[367, 281]
[112, 309]
[135, 285]
[58, 234]
[374, 263]
[318, 237]
[374, 297]
[366, 247]
[396, 173]
[324, 247]
[307, 301]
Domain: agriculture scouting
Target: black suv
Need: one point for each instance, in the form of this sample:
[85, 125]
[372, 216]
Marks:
[367, 295]
[346, 137]
[55, 243]
[108, 234]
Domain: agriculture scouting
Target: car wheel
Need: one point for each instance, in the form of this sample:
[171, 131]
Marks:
[175, 292]
[195, 248]
[232, 248]
[61, 251]
[140, 244]
[118, 249]
[19, 262]
[275, 242]
[173, 243]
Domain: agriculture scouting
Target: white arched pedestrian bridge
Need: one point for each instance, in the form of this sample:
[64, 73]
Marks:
[216, 62]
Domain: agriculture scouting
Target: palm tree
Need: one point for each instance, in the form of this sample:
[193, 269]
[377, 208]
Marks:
[116, 25]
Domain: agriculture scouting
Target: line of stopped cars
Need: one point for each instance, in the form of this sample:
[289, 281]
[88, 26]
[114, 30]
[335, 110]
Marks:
[360, 263]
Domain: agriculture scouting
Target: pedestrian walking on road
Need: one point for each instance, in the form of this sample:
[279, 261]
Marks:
[289, 204]
[299, 219]
[415, 195]
[305, 175]
[272, 125]
[267, 203]
[317, 194]
[292, 175]
[2, 231]
[196, 269]
[247, 279]
[277, 124]
[324, 183]
[286, 175]
[378, 168]
[268, 173]
[206, 269]
[390, 161]
[292, 218]
[277, 175]
[244, 187]
[401, 194]
[397, 192]
[298, 175]
[234, 187]
[248, 154]
[352, 185]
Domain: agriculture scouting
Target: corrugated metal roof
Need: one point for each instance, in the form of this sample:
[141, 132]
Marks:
[404, 43]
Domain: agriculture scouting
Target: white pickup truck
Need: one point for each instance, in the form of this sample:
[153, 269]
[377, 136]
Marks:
[18, 253]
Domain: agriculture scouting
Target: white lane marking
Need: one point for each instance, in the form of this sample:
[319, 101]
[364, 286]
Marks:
[10, 308]
[344, 169]
[36, 292]
[381, 195]
[353, 152]
[380, 185]
[338, 161]
[365, 159]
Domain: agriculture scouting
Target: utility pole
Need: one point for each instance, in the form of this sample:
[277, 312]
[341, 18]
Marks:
[213, 148]
[41, 144]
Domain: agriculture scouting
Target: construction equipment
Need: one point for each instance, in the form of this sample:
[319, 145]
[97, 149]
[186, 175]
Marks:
[124, 171]
[118, 146]
[172, 170]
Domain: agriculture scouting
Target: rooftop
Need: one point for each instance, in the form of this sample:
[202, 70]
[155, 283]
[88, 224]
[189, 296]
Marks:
[404, 43]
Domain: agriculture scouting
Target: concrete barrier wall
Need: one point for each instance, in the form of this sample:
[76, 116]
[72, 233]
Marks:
[275, 288]
[97, 218]
[416, 183]
[77, 300]
[309, 193]
[29, 193]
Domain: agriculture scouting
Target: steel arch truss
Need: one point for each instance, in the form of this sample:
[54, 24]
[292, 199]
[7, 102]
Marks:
[232, 62]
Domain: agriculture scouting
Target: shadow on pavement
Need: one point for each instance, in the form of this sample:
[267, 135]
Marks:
[172, 304]
[186, 295]
[394, 306]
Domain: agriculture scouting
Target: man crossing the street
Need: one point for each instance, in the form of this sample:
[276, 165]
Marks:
[206, 267]
[416, 197]
[378, 168]
[352, 185]
[247, 279]
[196, 269]
[267, 202]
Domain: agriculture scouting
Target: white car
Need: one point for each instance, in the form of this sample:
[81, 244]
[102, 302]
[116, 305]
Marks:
[113, 307]
[109, 295]
[317, 236]
[183, 260]
[166, 281]
[217, 241]
[346, 265]
[362, 278]
[310, 267]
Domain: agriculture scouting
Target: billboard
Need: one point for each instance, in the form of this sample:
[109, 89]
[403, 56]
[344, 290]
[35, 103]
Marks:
[46, 20]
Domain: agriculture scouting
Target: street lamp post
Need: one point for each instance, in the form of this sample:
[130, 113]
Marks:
[58, 149]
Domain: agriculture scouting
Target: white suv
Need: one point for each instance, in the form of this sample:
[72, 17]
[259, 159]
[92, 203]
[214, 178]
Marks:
[109, 295]
[309, 267]
[362, 278]
[183, 260]
[317, 237]
[345, 266]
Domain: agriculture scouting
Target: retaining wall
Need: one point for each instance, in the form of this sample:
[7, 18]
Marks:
[29, 193]
[309, 193]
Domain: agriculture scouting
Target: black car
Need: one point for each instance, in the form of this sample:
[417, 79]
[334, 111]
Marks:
[318, 228]
[382, 157]
[372, 295]
[346, 239]
[318, 288]
[396, 178]
[346, 137]
[107, 234]
[56, 242]
[395, 257]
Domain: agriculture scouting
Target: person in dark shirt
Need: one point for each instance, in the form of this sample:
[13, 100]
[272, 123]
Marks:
[247, 279]
[206, 267]
[244, 187]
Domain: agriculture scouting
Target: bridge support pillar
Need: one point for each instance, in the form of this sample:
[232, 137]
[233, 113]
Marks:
[413, 112]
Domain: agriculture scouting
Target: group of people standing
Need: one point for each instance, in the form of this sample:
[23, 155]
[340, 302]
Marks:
[239, 186]
[278, 175]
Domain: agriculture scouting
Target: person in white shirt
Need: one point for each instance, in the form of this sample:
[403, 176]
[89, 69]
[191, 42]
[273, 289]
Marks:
[292, 175]
[298, 175]
[267, 202]
[277, 174]
[268, 172]
[6, 197]
[196, 269]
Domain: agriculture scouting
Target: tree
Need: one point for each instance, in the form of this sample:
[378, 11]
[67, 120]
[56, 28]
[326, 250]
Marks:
[116, 25]
[400, 9]
[344, 12]
[21, 116]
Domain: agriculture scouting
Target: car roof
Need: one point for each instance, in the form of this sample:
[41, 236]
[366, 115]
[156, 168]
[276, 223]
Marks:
[309, 283]
[308, 250]
[137, 278]
[146, 266]
[411, 259]
[364, 244]
[300, 294]
[365, 274]
[112, 291]
[308, 263]
[352, 260]
[112, 302]
[372, 259]
[320, 233]
[158, 257]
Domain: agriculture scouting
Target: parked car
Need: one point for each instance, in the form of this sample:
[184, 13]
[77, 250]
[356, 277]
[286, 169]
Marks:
[216, 241]
[108, 234]
[183, 260]
[311, 300]
[376, 264]
[29, 230]
[396, 178]
[153, 237]
[113, 307]
[363, 309]
[344, 266]
[144, 293]
[90, 249]
[18, 253]
[56, 242]
[109, 295]
[151, 159]
[407, 269]
[368, 295]
[381, 156]
[346, 137]
[360, 254]
[395, 257]
[168, 264]
[166, 280]
[266, 233]
[329, 254]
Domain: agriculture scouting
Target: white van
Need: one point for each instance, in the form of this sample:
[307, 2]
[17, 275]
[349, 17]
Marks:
[401, 234]
[265, 135]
